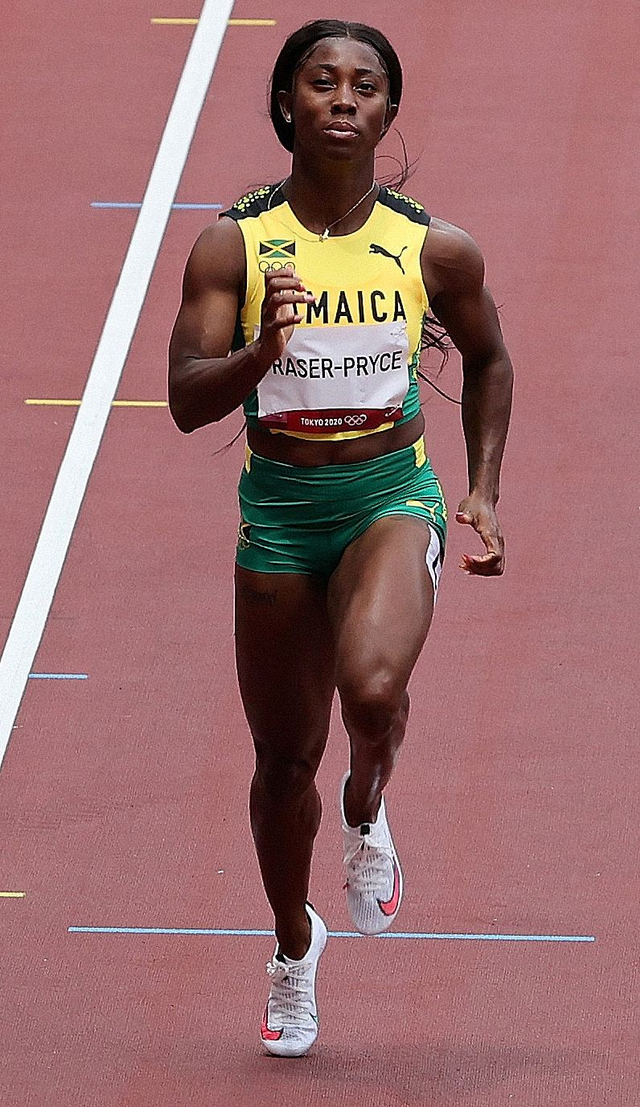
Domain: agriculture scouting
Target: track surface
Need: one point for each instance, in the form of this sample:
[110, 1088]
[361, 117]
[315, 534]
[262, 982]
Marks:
[515, 803]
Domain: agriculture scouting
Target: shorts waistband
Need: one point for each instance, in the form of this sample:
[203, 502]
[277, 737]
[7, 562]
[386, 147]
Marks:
[413, 457]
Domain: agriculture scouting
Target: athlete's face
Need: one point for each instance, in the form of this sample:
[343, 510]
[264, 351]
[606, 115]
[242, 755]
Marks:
[340, 100]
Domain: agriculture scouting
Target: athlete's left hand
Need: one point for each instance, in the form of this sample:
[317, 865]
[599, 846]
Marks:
[476, 512]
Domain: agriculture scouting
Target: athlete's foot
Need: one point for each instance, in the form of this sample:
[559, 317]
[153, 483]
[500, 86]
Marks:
[374, 877]
[290, 1021]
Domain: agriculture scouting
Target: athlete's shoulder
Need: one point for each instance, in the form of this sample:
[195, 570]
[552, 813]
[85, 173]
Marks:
[404, 205]
[216, 260]
[254, 203]
[452, 256]
[448, 243]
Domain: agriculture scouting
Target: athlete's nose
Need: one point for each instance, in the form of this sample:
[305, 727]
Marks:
[344, 101]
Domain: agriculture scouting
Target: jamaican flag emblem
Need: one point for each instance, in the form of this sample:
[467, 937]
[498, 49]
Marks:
[277, 249]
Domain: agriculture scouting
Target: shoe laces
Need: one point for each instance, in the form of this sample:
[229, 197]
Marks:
[291, 996]
[367, 867]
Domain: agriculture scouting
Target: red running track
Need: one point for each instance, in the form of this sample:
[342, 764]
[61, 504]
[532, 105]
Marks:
[515, 802]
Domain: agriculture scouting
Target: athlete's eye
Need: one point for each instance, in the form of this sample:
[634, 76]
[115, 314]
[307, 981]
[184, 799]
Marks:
[322, 82]
[365, 87]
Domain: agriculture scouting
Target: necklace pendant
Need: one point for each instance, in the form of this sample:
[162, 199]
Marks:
[325, 234]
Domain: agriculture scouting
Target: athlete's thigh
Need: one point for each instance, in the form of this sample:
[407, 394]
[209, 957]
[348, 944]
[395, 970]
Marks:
[285, 658]
[381, 602]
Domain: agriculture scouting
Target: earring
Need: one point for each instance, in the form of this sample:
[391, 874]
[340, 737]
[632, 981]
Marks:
[287, 118]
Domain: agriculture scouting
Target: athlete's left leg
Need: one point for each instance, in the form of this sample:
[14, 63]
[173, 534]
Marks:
[380, 604]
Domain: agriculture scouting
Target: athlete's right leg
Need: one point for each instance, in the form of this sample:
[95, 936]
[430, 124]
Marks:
[284, 654]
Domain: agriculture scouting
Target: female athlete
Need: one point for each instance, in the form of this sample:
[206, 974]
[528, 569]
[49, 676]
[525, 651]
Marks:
[306, 303]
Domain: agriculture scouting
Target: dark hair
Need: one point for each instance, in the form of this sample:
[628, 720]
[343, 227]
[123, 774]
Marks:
[299, 45]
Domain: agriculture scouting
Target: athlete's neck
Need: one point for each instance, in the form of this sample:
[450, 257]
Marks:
[320, 195]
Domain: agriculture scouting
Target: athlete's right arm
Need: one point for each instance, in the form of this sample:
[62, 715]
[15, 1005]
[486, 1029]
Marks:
[206, 382]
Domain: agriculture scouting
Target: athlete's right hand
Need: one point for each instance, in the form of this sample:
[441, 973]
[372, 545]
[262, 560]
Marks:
[283, 290]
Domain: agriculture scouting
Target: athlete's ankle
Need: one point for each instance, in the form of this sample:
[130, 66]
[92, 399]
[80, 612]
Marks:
[359, 809]
[294, 939]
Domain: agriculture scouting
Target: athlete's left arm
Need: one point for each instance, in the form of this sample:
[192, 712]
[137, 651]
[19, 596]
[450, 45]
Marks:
[453, 270]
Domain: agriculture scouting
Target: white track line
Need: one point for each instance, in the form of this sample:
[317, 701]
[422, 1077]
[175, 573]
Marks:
[104, 376]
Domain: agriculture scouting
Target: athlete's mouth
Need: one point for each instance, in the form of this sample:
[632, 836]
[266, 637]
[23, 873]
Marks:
[340, 126]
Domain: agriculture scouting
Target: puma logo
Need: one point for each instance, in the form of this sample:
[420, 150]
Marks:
[375, 249]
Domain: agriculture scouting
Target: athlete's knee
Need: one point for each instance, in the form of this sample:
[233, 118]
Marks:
[376, 705]
[285, 776]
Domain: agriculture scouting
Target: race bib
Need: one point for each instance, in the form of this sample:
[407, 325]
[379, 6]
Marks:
[337, 378]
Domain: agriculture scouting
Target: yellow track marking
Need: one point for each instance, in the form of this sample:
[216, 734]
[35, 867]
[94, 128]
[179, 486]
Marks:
[13, 895]
[232, 22]
[116, 403]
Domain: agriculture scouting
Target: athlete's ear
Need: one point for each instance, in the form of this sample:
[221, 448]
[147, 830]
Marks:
[285, 100]
[389, 116]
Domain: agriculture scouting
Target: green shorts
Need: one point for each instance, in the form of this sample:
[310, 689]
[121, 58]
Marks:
[296, 519]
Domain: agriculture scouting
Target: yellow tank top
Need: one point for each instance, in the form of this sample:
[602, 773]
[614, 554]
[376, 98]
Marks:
[350, 368]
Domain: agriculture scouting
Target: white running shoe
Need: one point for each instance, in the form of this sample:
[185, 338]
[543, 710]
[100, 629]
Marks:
[374, 877]
[290, 1021]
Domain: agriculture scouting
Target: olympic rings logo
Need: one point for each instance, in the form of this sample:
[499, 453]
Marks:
[355, 420]
[266, 266]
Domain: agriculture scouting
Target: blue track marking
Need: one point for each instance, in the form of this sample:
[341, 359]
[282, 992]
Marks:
[58, 676]
[222, 933]
[175, 207]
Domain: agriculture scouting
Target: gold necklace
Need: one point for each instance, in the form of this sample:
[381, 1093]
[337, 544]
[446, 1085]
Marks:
[325, 234]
